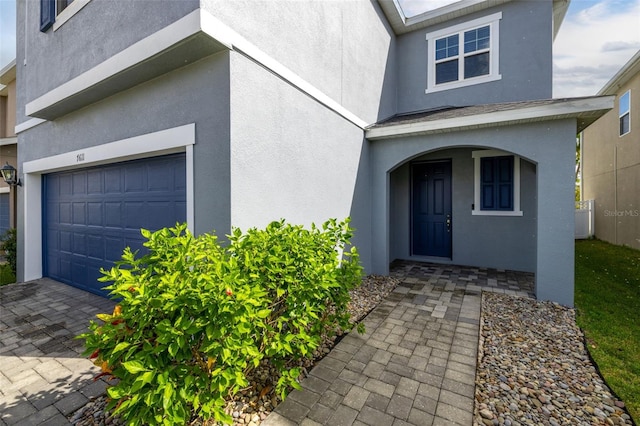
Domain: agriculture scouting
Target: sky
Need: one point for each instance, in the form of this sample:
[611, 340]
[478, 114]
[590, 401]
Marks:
[596, 39]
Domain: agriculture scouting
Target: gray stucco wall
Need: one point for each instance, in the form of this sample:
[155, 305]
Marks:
[473, 237]
[198, 93]
[292, 158]
[344, 48]
[94, 34]
[550, 146]
[525, 61]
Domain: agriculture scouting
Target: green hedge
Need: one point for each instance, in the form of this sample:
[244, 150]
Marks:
[195, 317]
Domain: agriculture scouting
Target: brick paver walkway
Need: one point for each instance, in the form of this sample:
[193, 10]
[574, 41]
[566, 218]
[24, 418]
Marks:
[415, 365]
[43, 378]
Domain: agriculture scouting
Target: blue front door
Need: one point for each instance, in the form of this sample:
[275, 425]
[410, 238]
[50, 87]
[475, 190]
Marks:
[92, 214]
[431, 209]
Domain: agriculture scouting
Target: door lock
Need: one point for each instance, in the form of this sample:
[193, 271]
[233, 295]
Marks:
[448, 223]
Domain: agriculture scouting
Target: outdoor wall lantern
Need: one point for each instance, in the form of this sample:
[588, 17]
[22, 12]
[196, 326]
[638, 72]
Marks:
[10, 176]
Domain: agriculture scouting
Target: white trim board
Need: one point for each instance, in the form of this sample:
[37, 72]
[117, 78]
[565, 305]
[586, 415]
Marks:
[26, 125]
[196, 22]
[177, 139]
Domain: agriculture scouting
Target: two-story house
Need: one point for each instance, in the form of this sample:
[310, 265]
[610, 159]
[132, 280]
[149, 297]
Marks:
[8, 143]
[437, 134]
[610, 157]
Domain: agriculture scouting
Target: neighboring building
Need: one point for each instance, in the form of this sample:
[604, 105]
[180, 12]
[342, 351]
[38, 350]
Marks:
[610, 157]
[8, 144]
[435, 133]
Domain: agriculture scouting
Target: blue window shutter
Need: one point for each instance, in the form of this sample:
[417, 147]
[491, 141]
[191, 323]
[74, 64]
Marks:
[487, 183]
[47, 14]
[505, 183]
[496, 174]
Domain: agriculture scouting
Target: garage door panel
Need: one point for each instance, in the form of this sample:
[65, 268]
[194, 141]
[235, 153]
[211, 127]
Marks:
[64, 269]
[95, 247]
[113, 214]
[93, 214]
[64, 241]
[112, 182]
[94, 183]
[135, 180]
[79, 214]
[113, 248]
[65, 213]
[79, 243]
[79, 183]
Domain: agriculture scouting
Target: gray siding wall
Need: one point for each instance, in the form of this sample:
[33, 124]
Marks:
[547, 145]
[198, 93]
[525, 61]
[97, 32]
[473, 237]
[292, 158]
[345, 49]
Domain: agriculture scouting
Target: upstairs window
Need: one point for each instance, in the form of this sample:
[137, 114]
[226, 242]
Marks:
[464, 54]
[624, 110]
[54, 13]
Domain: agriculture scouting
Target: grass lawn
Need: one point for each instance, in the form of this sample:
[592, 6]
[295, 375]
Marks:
[6, 275]
[608, 310]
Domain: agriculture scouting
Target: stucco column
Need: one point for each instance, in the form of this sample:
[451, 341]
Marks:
[379, 213]
[556, 227]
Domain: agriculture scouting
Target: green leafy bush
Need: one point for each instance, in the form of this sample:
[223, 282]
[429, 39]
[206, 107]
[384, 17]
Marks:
[10, 248]
[194, 317]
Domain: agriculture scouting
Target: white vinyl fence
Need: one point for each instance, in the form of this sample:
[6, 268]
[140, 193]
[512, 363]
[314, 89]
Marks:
[584, 219]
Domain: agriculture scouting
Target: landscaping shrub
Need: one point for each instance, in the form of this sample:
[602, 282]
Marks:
[194, 317]
[9, 246]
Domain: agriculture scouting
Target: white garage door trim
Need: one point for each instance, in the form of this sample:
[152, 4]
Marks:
[176, 139]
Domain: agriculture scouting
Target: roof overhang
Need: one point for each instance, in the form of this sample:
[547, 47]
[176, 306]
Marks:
[630, 69]
[584, 110]
[402, 24]
[187, 40]
[8, 73]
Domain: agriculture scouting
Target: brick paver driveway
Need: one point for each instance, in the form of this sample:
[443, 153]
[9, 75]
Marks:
[43, 377]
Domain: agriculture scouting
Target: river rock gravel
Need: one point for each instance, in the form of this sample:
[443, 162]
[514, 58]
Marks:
[252, 405]
[534, 369]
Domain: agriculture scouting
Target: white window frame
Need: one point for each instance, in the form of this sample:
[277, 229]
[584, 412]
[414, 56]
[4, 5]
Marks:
[493, 21]
[477, 211]
[66, 14]
[620, 115]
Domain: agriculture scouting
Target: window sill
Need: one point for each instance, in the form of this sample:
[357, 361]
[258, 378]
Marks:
[496, 213]
[73, 8]
[463, 83]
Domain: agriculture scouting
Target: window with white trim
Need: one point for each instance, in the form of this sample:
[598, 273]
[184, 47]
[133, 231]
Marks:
[54, 13]
[464, 54]
[624, 112]
[496, 183]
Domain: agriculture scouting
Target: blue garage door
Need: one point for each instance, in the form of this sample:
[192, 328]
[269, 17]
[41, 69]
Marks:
[4, 213]
[92, 214]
